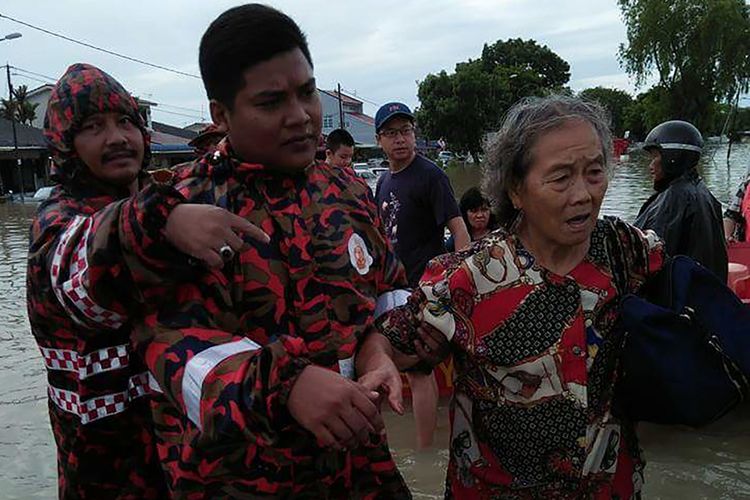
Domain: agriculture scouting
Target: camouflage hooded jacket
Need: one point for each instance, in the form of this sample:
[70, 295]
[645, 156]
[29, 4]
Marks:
[228, 350]
[80, 296]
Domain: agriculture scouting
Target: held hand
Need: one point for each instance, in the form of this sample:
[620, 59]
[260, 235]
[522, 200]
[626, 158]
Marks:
[432, 346]
[202, 230]
[385, 378]
[340, 413]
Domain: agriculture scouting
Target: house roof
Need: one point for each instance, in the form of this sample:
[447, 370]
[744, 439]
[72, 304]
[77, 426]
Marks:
[144, 102]
[164, 138]
[197, 126]
[172, 130]
[26, 136]
[363, 118]
[47, 87]
[344, 98]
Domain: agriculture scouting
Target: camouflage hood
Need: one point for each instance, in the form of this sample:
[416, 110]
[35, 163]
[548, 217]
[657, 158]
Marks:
[82, 91]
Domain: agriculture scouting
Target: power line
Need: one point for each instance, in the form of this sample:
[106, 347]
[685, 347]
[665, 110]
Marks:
[175, 113]
[354, 94]
[180, 107]
[49, 78]
[29, 77]
[100, 49]
[52, 80]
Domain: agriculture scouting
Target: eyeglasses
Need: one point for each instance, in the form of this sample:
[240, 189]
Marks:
[391, 133]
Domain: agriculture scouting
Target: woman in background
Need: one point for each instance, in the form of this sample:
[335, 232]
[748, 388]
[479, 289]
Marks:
[479, 219]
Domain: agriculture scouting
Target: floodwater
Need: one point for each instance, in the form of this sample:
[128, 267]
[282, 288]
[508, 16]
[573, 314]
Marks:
[711, 463]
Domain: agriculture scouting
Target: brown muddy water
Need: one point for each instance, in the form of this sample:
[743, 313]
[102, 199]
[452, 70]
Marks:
[683, 464]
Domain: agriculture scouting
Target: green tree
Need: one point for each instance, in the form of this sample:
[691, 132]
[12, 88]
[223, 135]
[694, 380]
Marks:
[616, 101]
[698, 48]
[526, 58]
[463, 106]
[21, 109]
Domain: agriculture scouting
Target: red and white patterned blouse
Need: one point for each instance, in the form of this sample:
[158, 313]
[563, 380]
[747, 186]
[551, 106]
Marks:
[536, 359]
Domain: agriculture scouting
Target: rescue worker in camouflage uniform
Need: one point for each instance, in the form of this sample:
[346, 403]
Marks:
[256, 359]
[85, 267]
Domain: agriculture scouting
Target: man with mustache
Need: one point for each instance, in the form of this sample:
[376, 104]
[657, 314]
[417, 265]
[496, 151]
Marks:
[90, 273]
[256, 359]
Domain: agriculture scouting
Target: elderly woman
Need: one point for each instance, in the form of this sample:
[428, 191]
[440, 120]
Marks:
[530, 312]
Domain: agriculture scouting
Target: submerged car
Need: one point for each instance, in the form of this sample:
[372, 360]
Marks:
[370, 177]
[446, 156]
[42, 193]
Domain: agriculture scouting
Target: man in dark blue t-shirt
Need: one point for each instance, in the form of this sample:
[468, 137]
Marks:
[416, 202]
[415, 197]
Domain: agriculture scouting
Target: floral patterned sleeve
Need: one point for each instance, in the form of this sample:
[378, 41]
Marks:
[641, 255]
[429, 305]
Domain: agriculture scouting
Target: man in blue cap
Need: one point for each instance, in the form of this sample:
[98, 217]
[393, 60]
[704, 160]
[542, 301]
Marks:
[415, 196]
[416, 202]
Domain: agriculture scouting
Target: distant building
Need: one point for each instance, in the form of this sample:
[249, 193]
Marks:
[356, 122]
[197, 126]
[40, 97]
[32, 151]
[169, 145]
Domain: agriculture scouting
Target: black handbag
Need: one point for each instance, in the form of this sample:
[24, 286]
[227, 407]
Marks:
[686, 356]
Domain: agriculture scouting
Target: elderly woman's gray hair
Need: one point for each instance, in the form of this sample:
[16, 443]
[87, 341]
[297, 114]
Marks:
[508, 152]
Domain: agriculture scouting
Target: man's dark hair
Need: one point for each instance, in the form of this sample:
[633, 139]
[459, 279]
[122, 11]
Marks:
[338, 138]
[239, 39]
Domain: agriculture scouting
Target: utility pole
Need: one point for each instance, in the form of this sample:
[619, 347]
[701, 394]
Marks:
[13, 126]
[341, 109]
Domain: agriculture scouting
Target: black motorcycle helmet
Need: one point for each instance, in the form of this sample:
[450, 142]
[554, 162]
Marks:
[679, 143]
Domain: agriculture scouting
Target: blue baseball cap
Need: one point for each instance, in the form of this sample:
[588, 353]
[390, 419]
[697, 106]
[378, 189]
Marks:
[390, 110]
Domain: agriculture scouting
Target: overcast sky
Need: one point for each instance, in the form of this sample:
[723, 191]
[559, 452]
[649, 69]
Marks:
[375, 49]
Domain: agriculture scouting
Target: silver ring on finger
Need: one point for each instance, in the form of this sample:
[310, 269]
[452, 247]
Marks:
[226, 253]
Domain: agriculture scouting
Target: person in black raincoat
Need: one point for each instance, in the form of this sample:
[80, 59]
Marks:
[683, 211]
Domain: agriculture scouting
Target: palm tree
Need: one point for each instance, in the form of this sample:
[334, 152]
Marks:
[20, 109]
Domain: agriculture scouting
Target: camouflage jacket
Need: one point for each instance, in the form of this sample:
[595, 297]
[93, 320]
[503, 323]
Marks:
[80, 297]
[229, 347]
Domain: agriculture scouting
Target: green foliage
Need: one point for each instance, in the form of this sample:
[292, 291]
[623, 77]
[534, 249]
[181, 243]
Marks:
[535, 64]
[736, 120]
[20, 108]
[698, 48]
[649, 109]
[616, 101]
[464, 105]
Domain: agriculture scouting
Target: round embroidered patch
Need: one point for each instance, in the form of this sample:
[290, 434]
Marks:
[358, 254]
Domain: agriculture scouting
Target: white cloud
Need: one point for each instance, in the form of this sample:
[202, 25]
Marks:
[380, 48]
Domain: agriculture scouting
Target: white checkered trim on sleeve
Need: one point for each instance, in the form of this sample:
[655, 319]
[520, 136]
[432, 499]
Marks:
[93, 409]
[100, 361]
[76, 286]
